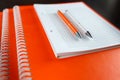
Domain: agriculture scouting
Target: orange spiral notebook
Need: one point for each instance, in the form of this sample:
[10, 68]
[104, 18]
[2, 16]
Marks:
[26, 53]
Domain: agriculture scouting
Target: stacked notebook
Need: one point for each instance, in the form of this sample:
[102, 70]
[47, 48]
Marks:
[95, 33]
[34, 37]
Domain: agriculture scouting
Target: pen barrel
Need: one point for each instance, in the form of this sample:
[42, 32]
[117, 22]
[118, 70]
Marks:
[75, 22]
[67, 22]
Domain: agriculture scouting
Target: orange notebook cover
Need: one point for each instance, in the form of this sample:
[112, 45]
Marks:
[102, 65]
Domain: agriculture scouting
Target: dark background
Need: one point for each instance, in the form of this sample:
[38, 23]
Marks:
[107, 8]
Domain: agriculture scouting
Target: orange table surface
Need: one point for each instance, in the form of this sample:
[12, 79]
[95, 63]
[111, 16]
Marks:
[103, 65]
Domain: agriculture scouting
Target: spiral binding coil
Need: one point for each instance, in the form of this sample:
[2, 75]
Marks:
[23, 61]
[4, 67]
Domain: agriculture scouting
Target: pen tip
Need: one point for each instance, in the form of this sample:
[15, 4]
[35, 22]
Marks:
[88, 34]
[78, 34]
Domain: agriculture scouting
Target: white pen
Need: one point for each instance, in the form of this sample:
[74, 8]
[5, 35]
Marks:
[77, 23]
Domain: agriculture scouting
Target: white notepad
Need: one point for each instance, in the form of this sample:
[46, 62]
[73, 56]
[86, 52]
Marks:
[105, 36]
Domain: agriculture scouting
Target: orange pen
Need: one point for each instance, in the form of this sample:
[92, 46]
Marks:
[73, 29]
